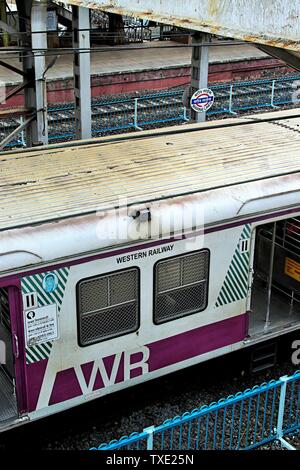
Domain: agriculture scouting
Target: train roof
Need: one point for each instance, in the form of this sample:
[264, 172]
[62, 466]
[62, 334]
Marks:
[58, 182]
[57, 203]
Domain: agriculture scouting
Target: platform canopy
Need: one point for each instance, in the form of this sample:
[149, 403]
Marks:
[273, 23]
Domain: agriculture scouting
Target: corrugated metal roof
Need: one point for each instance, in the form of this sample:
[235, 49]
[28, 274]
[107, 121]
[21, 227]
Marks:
[48, 184]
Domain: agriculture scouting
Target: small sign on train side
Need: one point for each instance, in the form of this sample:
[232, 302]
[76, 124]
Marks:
[41, 325]
[292, 268]
[202, 100]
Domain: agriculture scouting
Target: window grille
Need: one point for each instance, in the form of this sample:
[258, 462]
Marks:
[108, 306]
[181, 286]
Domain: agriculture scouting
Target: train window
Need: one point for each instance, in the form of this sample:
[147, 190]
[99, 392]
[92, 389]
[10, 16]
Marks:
[108, 306]
[181, 286]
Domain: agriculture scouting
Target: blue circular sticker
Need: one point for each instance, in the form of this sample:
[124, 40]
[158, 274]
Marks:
[50, 282]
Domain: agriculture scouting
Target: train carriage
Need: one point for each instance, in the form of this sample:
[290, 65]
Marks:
[130, 257]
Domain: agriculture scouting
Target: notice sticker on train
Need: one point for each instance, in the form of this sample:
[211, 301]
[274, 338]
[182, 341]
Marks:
[202, 100]
[41, 324]
[292, 269]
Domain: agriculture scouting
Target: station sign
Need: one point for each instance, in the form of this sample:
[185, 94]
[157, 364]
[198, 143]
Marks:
[202, 100]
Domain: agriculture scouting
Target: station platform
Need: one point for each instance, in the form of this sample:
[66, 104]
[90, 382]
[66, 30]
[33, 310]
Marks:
[153, 65]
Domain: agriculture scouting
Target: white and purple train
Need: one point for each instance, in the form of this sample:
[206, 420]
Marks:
[127, 258]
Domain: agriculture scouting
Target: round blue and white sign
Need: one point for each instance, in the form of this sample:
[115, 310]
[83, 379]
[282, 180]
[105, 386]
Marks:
[202, 100]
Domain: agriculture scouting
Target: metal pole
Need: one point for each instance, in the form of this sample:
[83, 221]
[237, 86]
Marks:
[22, 132]
[150, 432]
[230, 100]
[185, 114]
[135, 112]
[270, 278]
[161, 32]
[272, 94]
[24, 16]
[3, 18]
[82, 73]
[280, 418]
[39, 41]
[136, 100]
[292, 303]
[200, 61]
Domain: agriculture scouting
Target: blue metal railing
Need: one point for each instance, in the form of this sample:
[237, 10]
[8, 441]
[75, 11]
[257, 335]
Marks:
[120, 114]
[247, 420]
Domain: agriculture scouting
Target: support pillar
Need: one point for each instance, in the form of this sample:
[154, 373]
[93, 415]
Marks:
[82, 72]
[3, 18]
[33, 17]
[39, 41]
[200, 61]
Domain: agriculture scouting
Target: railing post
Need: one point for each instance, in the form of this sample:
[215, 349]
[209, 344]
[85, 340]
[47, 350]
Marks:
[281, 408]
[22, 132]
[230, 100]
[273, 94]
[292, 302]
[150, 432]
[136, 114]
[184, 114]
[281, 405]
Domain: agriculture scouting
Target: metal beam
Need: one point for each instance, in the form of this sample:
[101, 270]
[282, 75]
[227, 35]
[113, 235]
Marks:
[199, 71]
[12, 68]
[275, 23]
[289, 57]
[16, 90]
[6, 27]
[21, 111]
[82, 73]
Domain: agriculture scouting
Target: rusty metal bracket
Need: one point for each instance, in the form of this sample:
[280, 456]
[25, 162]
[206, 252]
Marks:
[20, 111]
[289, 57]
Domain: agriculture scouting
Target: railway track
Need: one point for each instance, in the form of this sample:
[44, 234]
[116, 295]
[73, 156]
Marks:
[117, 115]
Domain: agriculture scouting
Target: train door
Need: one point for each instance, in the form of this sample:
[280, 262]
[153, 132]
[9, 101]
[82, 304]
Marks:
[8, 356]
[275, 301]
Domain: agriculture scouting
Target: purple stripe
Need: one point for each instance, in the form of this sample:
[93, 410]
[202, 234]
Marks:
[193, 343]
[151, 244]
[66, 386]
[35, 378]
[163, 353]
